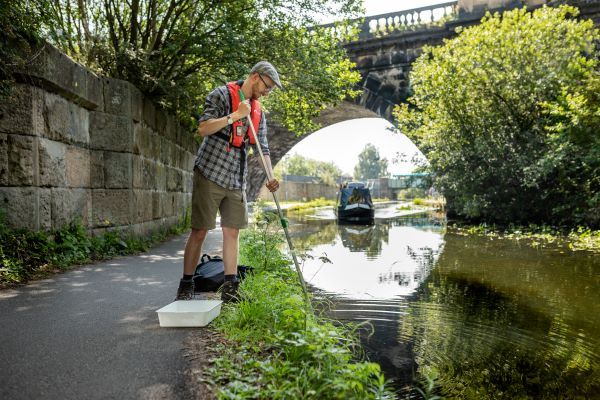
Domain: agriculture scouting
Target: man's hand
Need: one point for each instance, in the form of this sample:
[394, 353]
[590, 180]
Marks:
[243, 109]
[273, 185]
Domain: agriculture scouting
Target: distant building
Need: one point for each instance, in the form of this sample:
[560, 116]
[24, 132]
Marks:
[300, 179]
[389, 187]
[412, 180]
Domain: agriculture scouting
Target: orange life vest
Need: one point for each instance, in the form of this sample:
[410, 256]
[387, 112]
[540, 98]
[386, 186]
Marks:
[237, 134]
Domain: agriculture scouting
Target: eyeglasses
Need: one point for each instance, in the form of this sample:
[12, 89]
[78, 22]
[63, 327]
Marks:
[269, 88]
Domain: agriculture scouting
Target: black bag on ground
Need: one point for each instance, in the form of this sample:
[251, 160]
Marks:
[210, 273]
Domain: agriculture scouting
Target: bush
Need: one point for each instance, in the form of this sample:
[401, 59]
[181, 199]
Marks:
[411, 193]
[25, 255]
[20, 25]
[507, 114]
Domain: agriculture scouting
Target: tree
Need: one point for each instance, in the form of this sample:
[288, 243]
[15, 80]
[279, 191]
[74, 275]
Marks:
[20, 26]
[296, 164]
[370, 165]
[507, 114]
[176, 51]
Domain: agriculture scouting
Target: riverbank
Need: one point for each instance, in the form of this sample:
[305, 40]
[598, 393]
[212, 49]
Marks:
[275, 347]
[579, 239]
[320, 203]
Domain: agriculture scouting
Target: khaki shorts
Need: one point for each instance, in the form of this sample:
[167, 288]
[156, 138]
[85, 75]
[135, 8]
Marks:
[208, 198]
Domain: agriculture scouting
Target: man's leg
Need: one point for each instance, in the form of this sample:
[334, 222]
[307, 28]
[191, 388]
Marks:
[229, 291]
[231, 246]
[205, 203]
[234, 216]
[191, 254]
[193, 247]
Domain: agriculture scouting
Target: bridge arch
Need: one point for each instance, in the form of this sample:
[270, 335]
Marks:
[282, 140]
[388, 45]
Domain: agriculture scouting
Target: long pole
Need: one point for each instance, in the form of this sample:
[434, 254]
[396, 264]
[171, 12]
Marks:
[284, 222]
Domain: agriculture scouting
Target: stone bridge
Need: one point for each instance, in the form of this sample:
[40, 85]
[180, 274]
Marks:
[78, 146]
[386, 47]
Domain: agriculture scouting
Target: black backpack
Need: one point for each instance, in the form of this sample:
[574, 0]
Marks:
[210, 273]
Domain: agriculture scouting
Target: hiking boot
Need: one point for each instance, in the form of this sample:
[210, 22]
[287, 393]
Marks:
[229, 292]
[185, 290]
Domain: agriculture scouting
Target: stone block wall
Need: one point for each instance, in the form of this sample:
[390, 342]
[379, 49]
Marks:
[74, 145]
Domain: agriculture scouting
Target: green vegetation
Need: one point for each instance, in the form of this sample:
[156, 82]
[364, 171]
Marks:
[507, 114]
[419, 203]
[26, 255]
[536, 235]
[326, 172]
[436, 202]
[177, 51]
[370, 165]
[484, 330]
[320, 202]
[315, 203]
[411, 193]
[19, 32]
[311, 204]
[278, 350]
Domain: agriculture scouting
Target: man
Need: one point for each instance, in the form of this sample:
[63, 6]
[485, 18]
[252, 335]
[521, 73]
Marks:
[220, 171]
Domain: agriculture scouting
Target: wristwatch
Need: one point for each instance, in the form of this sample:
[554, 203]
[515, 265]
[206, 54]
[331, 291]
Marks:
[229, 120]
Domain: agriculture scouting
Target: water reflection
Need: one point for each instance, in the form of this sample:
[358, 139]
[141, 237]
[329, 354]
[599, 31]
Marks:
[375, 270]
[488, 318]
[377, 262]
[366, 239]
[499, 321]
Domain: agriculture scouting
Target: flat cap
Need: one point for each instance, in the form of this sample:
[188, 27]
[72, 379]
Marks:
[267, 69]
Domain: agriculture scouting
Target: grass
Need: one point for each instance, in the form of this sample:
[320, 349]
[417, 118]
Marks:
[27, 255]
[296, 207]
[435, 202]
[277, 348]
[320, 202]
[419, 203]
[579, 239]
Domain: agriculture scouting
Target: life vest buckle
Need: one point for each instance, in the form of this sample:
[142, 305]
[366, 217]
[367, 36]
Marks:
[237, 133]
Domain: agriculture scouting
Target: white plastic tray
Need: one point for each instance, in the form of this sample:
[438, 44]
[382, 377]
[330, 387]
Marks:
[189, 313]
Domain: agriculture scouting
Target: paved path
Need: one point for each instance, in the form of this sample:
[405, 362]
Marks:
[92, 333]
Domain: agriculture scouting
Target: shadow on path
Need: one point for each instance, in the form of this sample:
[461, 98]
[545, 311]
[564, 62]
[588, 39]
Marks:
[93, 333]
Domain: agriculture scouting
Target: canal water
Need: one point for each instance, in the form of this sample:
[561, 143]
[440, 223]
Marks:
[485, 318]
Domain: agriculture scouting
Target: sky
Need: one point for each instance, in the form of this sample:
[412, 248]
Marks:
[350, 137]
[353, 135]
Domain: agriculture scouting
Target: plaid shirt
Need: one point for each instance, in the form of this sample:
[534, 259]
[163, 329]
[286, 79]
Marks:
[213, 160]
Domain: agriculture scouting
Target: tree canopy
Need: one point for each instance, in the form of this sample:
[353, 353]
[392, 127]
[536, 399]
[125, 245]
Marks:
[508, 115]
[176, 51]
[19, 31]
[370, 165]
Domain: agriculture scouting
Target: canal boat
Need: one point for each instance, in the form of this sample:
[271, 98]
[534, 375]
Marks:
[354, 204]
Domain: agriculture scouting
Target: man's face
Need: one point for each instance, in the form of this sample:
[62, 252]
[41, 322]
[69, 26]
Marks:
[263, 85]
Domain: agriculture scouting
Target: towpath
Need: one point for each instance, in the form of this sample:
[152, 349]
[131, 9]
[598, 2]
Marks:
[93, 333]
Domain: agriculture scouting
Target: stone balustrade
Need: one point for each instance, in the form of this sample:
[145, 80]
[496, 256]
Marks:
[385, 24]
[399, 21]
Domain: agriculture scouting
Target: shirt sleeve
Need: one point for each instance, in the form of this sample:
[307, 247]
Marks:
[215, 105]
[262, 134]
